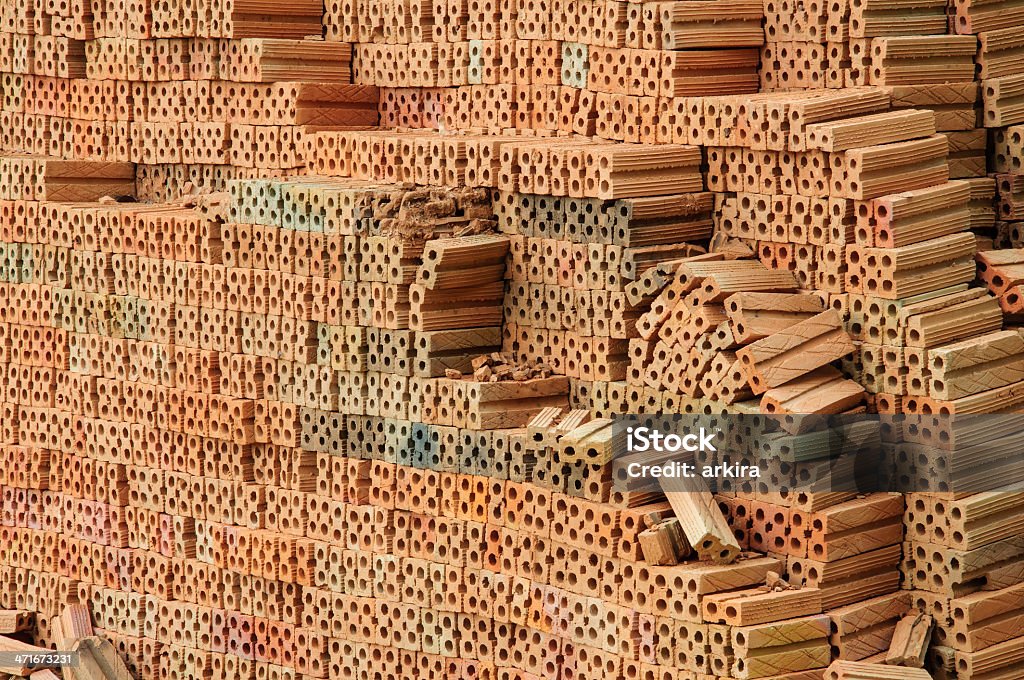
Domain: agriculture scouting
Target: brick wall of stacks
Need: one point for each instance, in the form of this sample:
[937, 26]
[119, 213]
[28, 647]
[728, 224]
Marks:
[314, 318]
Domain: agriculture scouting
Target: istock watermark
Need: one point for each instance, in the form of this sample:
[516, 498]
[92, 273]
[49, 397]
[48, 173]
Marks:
[651, 440]
[799, 456]
[681, 470]
[644, 439]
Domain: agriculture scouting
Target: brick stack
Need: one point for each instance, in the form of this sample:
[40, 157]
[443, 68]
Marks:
[242, 481]
[997, 29]
[498, 66]
[1006, 162]
[962, 562]
[165, 88]
[334, 400]
[573, 263]
[955, 58]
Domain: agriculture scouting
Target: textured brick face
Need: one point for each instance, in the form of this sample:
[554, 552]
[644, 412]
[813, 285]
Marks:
[332, 399]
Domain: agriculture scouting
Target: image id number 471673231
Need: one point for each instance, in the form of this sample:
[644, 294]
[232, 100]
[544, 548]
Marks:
[36, 660]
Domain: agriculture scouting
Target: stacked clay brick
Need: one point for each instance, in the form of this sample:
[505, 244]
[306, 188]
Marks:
[347, 416]
[960, 560]
[957, 58]
[501, 65]
[959, 544]
[1008, 149]
[572, 260]
[961, 550]
[203, 450]
[201, 94]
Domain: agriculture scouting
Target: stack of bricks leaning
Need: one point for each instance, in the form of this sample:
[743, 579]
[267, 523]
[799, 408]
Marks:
[314, 319]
